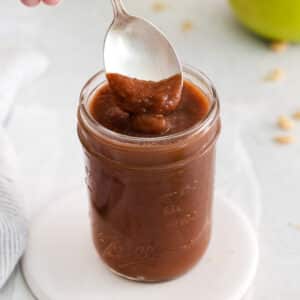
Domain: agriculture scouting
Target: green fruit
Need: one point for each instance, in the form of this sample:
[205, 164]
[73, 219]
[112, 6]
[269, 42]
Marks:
[272, 19]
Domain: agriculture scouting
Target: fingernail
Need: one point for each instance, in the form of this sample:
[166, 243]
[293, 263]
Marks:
[31, 2]
[51, 2]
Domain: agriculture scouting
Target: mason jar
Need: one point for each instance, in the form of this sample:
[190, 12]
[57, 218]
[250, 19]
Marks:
[150, 198]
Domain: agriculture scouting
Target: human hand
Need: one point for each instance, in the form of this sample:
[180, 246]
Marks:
[36, 2]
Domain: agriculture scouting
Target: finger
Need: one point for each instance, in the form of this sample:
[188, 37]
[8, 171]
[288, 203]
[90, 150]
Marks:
[51, 2]
[31, 2]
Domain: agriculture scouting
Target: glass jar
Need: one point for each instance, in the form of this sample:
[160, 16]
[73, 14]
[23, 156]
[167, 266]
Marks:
[150, 198]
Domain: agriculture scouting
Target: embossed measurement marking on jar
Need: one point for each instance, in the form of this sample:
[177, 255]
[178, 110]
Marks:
[100, 238]
[171, 209]
[118, 249]
[145, 251]
[183, 220]
[89, 180]
[177, 196]
[114, 250]
[191, 242]
[171, 206]
[142, 254]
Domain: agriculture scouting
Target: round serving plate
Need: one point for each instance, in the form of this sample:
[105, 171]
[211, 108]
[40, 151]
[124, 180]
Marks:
[61, 263]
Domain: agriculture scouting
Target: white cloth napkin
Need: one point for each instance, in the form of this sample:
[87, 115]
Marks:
[19, 65]
[13, 228]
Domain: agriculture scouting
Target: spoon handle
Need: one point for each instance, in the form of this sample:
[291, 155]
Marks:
[119, 8]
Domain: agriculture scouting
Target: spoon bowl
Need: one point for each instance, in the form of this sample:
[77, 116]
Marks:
[136, 48]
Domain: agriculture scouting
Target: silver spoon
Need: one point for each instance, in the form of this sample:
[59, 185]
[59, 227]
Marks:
[135, 48]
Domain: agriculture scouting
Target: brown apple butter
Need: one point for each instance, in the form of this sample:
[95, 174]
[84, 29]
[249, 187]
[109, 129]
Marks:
[128, 117]
[150, 172]
[140, 96]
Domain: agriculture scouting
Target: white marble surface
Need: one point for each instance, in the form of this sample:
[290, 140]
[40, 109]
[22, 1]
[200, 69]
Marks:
[71, 36]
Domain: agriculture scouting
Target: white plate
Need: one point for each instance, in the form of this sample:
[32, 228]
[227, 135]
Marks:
[61, 263]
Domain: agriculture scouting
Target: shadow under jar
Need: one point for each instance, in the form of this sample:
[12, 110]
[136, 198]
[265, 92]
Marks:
[150, 197]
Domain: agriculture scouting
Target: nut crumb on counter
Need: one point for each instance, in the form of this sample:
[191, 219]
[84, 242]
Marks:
[159, 6]
[285, 123]
[277, 74]
[295, 226]
[187, 25]
[285, 139]
[279, 46]
[296, 115]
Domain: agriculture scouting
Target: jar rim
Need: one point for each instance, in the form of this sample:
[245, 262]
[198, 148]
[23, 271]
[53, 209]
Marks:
[103, 132]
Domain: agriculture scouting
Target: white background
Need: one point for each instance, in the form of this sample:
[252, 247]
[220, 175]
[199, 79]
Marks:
[71, 36]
